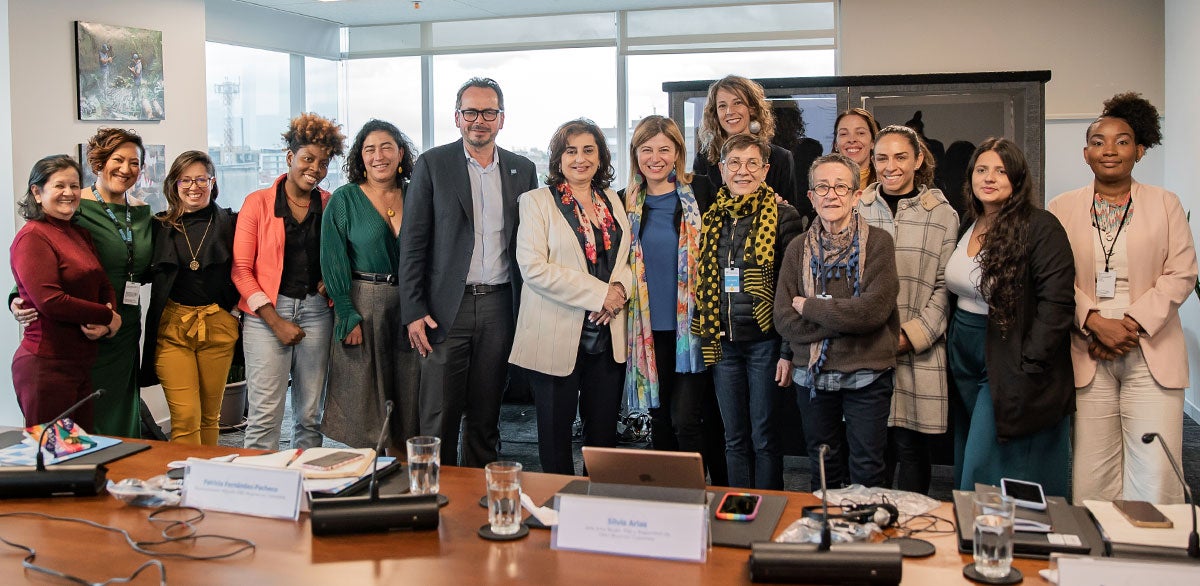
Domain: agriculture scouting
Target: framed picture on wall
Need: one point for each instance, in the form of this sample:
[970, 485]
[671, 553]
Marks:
[149, 186]
[119, 72]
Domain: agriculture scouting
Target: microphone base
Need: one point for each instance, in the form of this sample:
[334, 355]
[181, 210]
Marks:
[803, 563]
[361, 514]
[63, 480]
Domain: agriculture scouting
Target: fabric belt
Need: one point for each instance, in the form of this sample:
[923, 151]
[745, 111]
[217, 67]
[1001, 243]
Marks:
[486, 289]
[388, 278]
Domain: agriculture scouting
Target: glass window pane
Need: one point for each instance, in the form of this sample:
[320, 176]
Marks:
[388, 89]
[731, 19]
[537, 94]
[321, 96]
[563, 27]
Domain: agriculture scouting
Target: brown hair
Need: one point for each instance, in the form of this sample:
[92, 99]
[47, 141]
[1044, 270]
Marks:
[760, 111]
[171, 185]
[558, 145]
[309, 128]
[106, 141]
[923, 175]
[738, 142]
[648, 128]
[39, 175]
[872, 126]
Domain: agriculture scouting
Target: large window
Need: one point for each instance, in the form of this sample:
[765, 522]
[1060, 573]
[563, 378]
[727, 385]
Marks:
[388, 89]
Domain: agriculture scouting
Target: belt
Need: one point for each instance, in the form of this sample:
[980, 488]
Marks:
[486, 289]
[388, 278]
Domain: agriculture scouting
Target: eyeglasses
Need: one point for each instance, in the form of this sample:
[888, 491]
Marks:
[822, 190]
[473, 115]
[735, 165]
[201, 182]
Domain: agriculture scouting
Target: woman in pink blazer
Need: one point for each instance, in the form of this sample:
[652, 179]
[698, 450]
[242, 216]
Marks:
[1134, 265]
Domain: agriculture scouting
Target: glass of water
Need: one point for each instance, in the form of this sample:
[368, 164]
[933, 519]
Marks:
[424, 464]
[994, 515]
[504, 496]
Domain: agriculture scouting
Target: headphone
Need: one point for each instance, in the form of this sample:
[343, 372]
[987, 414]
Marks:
[883, 514]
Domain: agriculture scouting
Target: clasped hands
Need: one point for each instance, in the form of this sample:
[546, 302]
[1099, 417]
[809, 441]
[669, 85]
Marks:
[1111, 337]
[614, 301]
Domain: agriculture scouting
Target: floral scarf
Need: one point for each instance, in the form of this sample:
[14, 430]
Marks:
[758, 274]
[641, 370]
[583, 228]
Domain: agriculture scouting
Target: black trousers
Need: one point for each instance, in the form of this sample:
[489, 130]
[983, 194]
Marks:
[677, 423]
[594, 388]
[907, 460]
[462, 380]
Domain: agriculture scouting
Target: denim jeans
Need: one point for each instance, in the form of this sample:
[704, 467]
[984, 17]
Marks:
[270, 365]
[848, 418]
[746, 392]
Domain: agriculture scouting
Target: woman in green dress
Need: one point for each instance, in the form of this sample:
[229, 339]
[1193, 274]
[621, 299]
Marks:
[359, 254]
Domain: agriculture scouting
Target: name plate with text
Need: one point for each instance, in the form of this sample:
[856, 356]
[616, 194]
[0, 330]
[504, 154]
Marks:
[262, 492]
[621, 526]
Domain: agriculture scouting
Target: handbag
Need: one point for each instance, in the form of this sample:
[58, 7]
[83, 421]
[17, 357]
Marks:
[595, 338]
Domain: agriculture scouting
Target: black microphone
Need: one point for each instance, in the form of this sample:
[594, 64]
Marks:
[373, 513]
[63, 480]
[1193, 547]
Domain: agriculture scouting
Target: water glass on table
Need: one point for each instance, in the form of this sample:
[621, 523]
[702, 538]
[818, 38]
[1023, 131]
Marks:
[504, 497]
[424, 464]
[994, 514]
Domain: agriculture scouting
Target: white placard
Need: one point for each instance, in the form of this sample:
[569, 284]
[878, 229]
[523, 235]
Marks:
[262, 492]
[656, 529]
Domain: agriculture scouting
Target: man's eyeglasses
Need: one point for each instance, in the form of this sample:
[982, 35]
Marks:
[822, 190]
[201, 182]
[735, 165]
[473, 115]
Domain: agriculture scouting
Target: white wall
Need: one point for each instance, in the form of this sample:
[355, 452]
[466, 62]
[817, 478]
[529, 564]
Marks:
[10, 414]
[1182, 172]
[41, 100]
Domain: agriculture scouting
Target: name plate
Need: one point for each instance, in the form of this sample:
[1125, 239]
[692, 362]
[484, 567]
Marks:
[262, 492]
[644, 528]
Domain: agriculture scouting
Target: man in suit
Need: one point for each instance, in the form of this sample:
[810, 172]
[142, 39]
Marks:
[459, 276]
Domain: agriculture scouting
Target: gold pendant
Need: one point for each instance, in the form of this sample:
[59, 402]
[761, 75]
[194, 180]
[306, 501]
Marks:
[391, 213]
[194, 265]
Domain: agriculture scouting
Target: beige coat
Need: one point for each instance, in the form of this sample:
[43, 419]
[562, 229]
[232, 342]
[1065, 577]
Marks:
[558, 291]
[1162, 273]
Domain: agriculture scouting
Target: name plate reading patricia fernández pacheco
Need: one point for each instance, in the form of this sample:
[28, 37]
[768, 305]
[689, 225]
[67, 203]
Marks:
[621, 526]
[246, 490]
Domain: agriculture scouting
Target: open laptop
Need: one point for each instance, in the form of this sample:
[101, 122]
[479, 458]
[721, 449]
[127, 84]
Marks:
[646, 468]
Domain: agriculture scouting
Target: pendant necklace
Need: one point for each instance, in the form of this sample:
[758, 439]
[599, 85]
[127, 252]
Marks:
[195, 264]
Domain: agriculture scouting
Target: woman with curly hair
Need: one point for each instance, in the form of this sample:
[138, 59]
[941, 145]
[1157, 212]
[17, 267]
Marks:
[736, 105]
[360, 249]
[1008, 341]
[1127, 345]
[287, 321]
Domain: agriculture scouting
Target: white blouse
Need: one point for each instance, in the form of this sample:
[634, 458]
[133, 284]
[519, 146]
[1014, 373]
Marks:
[962, 277]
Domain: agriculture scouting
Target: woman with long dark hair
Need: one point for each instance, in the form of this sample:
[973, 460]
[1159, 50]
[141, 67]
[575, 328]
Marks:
[854, 136]
[1008, 346]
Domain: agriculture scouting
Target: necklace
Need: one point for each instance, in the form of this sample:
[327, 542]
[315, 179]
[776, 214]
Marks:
[296, 203]
[383, 197]
[195, 264]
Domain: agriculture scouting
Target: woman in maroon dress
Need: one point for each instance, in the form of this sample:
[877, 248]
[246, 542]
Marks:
[55, 266]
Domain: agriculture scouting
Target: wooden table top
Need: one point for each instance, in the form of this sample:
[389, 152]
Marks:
[287, 553]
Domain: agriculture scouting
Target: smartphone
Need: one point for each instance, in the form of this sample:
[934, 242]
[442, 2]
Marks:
[739, 506]
[1028, 495]
[331, 461]
[1143, 514]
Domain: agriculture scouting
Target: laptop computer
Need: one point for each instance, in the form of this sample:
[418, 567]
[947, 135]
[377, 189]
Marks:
[646, 468]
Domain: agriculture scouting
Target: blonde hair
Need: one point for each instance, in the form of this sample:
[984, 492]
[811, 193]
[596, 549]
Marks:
[648, 128]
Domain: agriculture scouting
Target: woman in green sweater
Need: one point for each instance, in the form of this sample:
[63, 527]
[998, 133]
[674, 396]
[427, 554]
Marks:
[360, 238]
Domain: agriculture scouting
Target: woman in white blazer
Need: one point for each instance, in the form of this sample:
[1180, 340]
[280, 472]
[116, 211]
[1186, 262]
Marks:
[1134, 266]
[573, 251]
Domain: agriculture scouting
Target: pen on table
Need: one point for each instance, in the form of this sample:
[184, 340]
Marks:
[295, 456]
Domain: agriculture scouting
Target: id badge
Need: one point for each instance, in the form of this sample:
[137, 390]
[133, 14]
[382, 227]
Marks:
[133, 293]
[733, 280]
[1106, 284]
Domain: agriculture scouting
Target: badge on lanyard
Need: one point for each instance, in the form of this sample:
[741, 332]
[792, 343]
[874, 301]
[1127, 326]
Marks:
[1106, 284]
[133, 293]
[733, 280]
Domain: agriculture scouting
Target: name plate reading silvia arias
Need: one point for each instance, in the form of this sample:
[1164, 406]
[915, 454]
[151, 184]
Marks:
[645, 528]
[262, 492]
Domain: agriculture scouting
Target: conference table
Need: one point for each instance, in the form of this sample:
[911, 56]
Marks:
[287, 553]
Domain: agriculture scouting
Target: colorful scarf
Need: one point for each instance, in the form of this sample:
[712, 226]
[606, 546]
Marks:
[758, 272]
[583, 228]
[641, 370]
[831, 256]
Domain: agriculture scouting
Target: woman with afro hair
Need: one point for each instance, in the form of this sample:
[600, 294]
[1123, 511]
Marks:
[287, 323]
[1135, 264]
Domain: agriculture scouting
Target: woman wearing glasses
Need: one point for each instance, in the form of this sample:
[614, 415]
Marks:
[742, 241]
[836, 305]
[190, 333]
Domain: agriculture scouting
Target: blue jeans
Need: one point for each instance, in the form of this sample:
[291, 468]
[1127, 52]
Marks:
[746, 392]
[270, 365]
[848, 418]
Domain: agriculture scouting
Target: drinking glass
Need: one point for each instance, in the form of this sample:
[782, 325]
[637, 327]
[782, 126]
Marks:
[424, 464]
[994, 514]
[504, 496]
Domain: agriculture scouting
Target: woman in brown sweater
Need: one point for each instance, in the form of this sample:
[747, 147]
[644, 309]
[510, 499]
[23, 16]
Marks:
[836, 305]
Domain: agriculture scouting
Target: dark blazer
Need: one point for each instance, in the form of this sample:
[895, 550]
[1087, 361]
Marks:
[164, 265]
[439, 232]
[1029, 366]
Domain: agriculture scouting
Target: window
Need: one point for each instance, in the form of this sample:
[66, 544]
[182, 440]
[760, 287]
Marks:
[321, 87]
[388, 89]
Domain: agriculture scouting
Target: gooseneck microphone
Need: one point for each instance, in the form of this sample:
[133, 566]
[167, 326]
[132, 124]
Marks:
[823, 563]
[62, 480]
[1193, 547]
[373, 513]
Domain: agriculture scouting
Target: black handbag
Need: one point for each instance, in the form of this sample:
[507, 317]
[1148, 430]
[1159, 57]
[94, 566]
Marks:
[595, 339]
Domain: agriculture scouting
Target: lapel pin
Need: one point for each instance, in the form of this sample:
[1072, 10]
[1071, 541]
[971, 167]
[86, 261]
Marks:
[512, 171]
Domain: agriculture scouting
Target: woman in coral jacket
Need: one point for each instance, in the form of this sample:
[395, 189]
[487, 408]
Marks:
[288, 322]
[1135, 264]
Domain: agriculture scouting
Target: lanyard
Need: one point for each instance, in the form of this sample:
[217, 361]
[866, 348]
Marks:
[125, 233]
[1096, 222]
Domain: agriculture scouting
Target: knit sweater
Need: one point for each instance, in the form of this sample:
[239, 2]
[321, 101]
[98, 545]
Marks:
[863, 331]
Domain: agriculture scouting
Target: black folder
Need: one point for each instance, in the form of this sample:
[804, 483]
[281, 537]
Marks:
[1067, 520]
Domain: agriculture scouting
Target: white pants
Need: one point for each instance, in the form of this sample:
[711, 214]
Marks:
[1123, 402]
